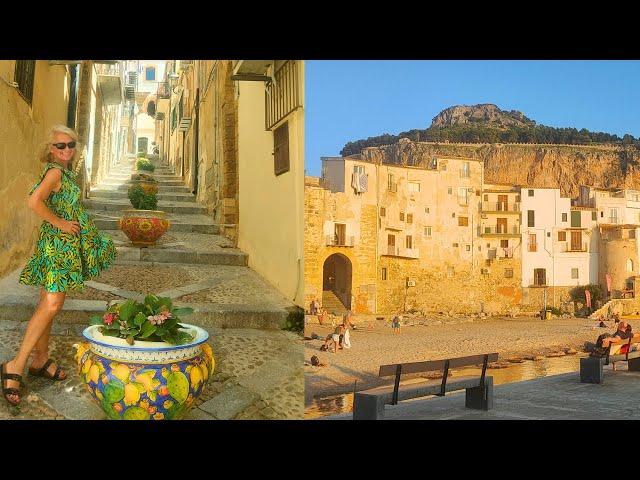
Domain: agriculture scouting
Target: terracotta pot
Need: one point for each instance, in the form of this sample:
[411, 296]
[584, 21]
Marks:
[144, 227]
[146, 380]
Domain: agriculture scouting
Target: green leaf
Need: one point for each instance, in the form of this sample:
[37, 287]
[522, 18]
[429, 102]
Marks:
[184, 337]
[127, 310]
[176, 312]
[147, 330]
[152, 301]
[96, 320]
[160, 331]
[109, 332]
[139, 319]
[165, 301]
[170, 324]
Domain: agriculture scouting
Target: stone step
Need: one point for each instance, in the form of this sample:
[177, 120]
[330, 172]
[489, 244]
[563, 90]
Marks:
[110, 205]
[179, 222]
[167, 183]
[20, 308]
[125, 187]
[128, 255]
[127, 177]
[122, 195]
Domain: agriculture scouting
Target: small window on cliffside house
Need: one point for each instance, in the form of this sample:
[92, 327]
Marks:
[486, 197]
[150, 74]
[574, 273]
[629, 265]
[450, 190]
[463, 221]
[409, 242]
[383, 212]
[562, 236]
[531, 218]
[384, 273]
[564, 217]
[504, 243]
[281, 149]
[427, 231]
[531, 193]
[508, 273]
[409, 217]
[402, 216]
[594, 216]
[539, 277]
[632, 233]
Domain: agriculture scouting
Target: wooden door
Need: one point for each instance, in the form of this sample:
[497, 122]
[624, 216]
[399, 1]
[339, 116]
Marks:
[501, 225]
[576, 241]
[503, 203]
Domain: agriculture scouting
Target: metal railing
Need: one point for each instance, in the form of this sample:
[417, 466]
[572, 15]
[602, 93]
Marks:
[500, 207]
[499, 230]
[283, 95]
[335, 241]
[567, 247]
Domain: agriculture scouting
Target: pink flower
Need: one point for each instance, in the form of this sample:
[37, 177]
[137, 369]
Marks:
[108, 318]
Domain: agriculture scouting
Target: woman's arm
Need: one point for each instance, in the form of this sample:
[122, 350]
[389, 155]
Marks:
[51, 182]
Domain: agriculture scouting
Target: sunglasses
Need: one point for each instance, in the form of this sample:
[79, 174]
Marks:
[61, 146]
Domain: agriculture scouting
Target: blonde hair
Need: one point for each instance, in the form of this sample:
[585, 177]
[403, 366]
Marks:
[45, 152]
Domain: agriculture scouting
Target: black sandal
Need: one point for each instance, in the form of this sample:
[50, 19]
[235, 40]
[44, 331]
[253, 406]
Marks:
[6, 391]
[43, 372]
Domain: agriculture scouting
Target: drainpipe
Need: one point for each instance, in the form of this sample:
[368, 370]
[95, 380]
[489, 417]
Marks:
[196, 140]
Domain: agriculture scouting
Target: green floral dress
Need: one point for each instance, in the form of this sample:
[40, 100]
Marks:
[63, 261]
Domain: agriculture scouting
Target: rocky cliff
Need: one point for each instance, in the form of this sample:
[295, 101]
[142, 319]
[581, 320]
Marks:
[552, 166]
[486, 113]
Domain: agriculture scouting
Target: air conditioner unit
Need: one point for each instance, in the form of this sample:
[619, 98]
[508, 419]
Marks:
[411, 283]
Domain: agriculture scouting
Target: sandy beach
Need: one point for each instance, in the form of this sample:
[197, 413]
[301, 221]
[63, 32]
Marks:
[374, 344]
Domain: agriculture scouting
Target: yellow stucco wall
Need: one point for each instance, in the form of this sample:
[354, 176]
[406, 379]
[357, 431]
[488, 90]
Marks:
[22, 130]
[271, 207]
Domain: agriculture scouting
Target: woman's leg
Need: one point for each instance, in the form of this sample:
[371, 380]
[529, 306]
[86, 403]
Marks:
[40, 322]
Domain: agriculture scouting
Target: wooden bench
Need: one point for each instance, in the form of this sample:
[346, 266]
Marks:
[591, 368]
[369, 404]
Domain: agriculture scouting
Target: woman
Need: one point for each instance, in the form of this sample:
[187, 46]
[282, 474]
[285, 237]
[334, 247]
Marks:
[69, 251]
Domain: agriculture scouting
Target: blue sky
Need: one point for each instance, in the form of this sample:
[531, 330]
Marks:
[353, 99]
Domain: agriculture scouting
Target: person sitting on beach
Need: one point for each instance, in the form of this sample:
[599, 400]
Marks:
[334, 338]
[345, 338]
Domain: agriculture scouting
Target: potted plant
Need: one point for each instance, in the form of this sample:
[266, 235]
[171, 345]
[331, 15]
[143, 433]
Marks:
[146, 181]
[140, 362]
[143, 224]
[144, 164]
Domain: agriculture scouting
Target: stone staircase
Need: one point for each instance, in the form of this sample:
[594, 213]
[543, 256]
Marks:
[332, 303]
[191, 264]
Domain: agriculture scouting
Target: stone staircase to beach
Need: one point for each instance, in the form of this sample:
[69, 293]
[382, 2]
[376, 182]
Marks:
[332, 303]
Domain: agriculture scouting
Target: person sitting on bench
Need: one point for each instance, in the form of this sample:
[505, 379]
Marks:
[623, 332]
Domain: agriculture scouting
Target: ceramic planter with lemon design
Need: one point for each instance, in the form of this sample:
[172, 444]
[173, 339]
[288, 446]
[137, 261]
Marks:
[144, 227]
[147, 380]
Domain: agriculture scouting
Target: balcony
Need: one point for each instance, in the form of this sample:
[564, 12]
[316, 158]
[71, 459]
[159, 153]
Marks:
[566, 247]
[499, 230]
[394, 251]
[335, 241]
[501, 207]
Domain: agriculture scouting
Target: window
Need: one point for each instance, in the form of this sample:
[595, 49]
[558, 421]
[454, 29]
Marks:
[484, 271]
[150, 74]
[463, 196]
[453, 215]
[466, 171]
[504, 243]
[601, 213]
[463, 221]
[539, 277]
[409, 217]
[427, 231]
[384, 273]
[383, 212]
[533, 246]
[594, 216]
[455, 245]
[409, 242]
[426, 210]
[629, 265]
[613, 215]
[391, 186]
[564, 217]
[574, 273]
[486, 198]
[281, 149]
[531, 218]
[531, 193]
[450, 190]
[402, 216]
[576, 220]
[468, 248]
[632, 234]
[359, 169]
[414, 187]
[508, 273]
[24, 75]
[562, 236]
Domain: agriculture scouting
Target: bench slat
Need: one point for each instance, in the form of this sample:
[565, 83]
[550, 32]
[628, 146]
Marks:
[420, 367]
[421, 389]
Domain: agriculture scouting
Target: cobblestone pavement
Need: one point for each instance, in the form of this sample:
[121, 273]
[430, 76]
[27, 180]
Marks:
[258, 375]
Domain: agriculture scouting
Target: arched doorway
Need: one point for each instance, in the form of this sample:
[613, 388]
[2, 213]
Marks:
[336, 279]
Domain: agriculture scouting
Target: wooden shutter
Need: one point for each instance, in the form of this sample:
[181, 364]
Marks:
[281, 149]
[24, 75]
